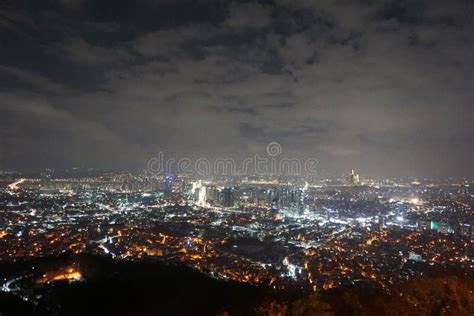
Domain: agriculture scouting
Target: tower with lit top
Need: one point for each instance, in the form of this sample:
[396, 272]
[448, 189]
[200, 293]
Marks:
[354, 178]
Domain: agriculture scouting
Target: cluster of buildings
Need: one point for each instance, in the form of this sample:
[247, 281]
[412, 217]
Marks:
[275, 198]
[264, 231]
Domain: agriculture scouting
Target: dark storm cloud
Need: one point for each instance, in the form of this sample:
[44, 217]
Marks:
[381, 86]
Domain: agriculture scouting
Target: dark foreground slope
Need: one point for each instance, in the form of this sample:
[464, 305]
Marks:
[152, 288]
[127, 288]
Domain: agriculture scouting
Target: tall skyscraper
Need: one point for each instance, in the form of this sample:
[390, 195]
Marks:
[285, 198]
[354, 178]
[227, 197]
[168, 186]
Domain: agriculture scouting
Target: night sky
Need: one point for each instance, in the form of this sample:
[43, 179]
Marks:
[384, 87]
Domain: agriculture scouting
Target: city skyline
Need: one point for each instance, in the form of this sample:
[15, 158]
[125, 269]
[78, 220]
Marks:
[382, 87]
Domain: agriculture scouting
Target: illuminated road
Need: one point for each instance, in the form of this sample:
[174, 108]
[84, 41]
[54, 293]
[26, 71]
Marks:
[14, 185]
[103, 242]
[6, 287]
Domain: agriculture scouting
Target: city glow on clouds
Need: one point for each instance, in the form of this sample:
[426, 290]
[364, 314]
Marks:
[384, 87]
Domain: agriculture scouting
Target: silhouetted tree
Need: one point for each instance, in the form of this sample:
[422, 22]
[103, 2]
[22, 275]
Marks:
[272, 309]
[311, 305]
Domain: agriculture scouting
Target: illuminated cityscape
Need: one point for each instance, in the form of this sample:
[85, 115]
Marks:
[273, 232]
[236, 157]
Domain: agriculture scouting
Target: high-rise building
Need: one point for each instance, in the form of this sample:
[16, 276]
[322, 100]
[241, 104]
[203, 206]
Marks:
[168, 186]
[298, 201]
[271, 194]
[381, 222]
[211, 194]
[196, 194]
[274, 204]
[285, 198]
[227, 197]
[354, 178]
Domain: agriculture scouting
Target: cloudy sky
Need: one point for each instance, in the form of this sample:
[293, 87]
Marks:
[385, 87]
